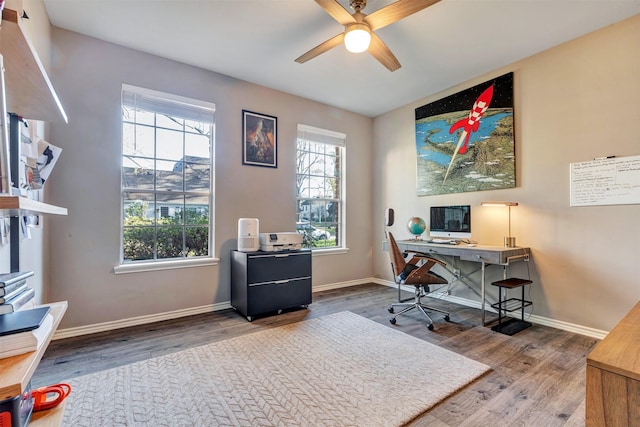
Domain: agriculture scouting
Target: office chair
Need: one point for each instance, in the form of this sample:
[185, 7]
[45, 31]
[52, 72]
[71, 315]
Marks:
[420, 276]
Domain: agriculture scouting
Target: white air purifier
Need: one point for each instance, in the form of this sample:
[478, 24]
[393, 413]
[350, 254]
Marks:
[248, 235]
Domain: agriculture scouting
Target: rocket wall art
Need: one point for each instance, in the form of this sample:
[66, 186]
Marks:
[465, 142]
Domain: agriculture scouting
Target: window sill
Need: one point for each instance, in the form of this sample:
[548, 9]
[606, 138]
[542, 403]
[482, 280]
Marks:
[163, 265]
[332, 251]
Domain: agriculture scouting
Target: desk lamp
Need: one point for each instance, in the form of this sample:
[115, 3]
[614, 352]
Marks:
[509, 241]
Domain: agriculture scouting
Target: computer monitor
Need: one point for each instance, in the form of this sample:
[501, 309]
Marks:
[452, 222]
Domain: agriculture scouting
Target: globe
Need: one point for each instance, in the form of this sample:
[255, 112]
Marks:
[416, 226]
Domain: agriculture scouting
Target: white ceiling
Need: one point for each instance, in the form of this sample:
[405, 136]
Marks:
[257, 40]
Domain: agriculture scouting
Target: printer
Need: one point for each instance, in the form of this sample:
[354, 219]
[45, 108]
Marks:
[285, 241]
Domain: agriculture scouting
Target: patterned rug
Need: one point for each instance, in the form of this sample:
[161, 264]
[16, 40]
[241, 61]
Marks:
[337, 370]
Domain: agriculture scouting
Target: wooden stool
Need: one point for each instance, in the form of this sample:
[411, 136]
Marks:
[511, 326]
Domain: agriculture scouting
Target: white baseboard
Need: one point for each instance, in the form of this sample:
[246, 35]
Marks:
[569, 327]
[139, 320]
[538, 320]
[142, 320]
[329, 286]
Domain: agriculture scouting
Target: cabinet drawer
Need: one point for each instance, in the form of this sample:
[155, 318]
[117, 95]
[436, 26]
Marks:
[278, 296]
[489, 257]
[272, 268]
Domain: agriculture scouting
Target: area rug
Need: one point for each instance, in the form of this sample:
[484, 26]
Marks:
[337, 370]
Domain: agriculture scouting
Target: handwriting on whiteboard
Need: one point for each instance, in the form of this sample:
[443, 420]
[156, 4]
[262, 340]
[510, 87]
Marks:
[614, 181]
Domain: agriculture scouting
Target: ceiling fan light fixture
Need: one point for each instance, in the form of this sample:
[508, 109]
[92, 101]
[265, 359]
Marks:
[357, 37]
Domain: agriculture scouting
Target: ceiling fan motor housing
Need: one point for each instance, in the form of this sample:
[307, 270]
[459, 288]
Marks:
[358, 5]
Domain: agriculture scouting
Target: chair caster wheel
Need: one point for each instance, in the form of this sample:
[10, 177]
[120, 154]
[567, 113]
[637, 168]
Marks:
[390, 309]
[392, 321]
[430, 327]
[447, 318]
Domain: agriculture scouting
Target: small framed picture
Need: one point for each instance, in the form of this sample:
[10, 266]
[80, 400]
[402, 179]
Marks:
[259, 139]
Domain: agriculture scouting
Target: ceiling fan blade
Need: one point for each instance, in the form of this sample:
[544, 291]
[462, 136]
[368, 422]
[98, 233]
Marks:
[395, 12]
[382, 53]
[321, 48]
[335, 9]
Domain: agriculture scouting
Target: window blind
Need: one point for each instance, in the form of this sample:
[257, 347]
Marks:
[324, 136]
[171, 105]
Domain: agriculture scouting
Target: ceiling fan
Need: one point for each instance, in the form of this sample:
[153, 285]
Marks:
[359, 28]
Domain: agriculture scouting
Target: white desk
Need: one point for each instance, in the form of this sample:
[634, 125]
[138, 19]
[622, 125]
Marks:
[483, 254]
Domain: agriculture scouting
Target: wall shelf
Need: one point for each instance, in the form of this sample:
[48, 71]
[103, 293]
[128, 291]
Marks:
[16, 371]
[29, 91]
[18, 206]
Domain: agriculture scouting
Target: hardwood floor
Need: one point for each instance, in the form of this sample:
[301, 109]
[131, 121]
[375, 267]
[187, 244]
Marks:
[537, 376]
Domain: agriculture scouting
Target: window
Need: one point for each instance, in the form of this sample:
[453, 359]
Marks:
[320, 187]
[167, 164]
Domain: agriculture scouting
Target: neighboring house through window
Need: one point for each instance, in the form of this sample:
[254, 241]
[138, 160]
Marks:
[167, 172]
[320, 187]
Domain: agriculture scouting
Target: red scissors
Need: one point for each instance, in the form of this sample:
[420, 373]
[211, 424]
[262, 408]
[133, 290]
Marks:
[40, 396]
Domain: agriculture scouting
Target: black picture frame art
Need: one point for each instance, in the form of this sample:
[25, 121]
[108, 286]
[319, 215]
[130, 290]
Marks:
[259, 139]
[465, 142]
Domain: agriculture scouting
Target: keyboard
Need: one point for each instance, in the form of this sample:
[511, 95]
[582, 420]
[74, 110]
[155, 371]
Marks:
[445, 241]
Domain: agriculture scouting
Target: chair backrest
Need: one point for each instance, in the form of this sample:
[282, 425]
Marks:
[421, 275]
[397, 260]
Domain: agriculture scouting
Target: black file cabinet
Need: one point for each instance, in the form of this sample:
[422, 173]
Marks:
[267, 282]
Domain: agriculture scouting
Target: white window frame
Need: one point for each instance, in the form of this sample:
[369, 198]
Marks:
[337, 139]
[170, 104]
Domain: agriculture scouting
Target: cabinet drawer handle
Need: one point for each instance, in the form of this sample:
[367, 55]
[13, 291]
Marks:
[279, 282]
[281, 256]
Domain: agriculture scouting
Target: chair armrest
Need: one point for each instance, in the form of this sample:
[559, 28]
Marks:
[424, 275]
[428, 258]
[415, 260]
[421, 255]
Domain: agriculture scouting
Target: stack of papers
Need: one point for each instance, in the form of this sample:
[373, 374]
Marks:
[24, 331]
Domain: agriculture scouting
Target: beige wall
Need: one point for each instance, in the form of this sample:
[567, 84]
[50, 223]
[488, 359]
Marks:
[88, 74]
[573, 103]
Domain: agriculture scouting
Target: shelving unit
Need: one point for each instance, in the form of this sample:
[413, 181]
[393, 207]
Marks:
[16, 371]
[50, 418]
[28, 93]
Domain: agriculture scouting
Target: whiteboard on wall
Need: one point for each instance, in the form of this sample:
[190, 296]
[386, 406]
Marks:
[609, 181]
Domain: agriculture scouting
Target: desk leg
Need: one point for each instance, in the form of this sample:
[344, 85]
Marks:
[483, 295]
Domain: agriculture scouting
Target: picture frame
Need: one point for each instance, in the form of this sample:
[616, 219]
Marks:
[259, 139]
[466, 141]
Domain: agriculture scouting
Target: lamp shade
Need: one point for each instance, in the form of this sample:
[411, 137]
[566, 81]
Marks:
[499, 203]
[357, 38]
